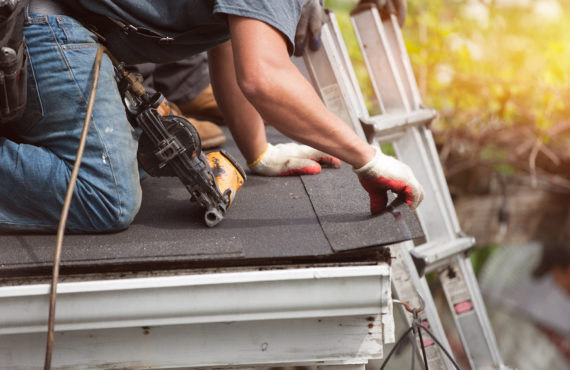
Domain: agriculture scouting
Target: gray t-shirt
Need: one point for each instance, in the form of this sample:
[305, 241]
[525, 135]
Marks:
[197, 25]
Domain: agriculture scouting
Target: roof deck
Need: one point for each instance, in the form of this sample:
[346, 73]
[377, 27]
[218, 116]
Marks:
[273, 221]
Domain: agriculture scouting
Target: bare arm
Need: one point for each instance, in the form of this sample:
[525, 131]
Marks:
[275, 88]
[243, 120]
[263, 79]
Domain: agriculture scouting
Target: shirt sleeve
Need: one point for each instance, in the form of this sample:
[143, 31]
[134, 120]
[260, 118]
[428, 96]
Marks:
[282, 15]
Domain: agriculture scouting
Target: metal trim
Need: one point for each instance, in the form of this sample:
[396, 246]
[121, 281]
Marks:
[188, 299]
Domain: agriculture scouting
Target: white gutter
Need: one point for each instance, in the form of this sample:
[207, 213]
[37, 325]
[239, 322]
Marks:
[191, 299]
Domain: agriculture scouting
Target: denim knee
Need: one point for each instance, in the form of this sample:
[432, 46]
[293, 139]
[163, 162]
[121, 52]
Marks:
[104, 210]
[127, 208]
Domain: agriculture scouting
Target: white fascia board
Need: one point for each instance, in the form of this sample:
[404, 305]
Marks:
[205, 298]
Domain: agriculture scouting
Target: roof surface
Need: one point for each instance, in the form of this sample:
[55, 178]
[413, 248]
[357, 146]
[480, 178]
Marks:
[272, 221]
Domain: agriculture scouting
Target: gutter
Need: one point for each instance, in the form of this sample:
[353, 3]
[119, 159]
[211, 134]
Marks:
[193, 299]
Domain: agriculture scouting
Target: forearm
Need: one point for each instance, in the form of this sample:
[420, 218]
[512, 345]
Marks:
[243, 120]
[293, 107]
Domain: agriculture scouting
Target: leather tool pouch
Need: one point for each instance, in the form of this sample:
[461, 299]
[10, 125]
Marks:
[13, 61]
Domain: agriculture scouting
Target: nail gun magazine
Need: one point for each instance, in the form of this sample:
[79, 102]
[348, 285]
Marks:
[170, 146]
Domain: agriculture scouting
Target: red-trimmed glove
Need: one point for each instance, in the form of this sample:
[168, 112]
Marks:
[385, 173]
[291, 159]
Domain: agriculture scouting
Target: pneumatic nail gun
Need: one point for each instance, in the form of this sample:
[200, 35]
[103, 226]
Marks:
[170, 146]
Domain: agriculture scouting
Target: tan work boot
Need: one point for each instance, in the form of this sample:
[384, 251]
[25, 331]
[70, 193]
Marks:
[210, 134]
[204, 107]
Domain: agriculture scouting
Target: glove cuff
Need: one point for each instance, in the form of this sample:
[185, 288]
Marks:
[254, 163]
[369, 165]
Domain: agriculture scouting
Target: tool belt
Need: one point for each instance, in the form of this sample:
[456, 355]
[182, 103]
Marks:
[13, 60]
[135, 44]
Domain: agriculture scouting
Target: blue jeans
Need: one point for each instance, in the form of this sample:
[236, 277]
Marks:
[37, 159]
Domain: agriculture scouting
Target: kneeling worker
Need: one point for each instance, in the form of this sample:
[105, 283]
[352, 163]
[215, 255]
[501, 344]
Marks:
[249, 44]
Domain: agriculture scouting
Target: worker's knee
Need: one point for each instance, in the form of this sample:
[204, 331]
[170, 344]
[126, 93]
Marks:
[127, 208]
[104, 211]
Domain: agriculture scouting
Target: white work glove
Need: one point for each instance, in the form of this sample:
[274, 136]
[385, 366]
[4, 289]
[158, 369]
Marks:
[309, 26]
[385, 173]
[291, 159]
[387, 7]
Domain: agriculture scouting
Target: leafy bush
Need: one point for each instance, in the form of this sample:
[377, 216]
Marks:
[498, 76]
[510, 65]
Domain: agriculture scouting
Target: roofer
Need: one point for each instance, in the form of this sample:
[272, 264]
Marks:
[249, 45]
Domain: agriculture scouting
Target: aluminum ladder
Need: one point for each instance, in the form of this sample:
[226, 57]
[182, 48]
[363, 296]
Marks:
[403, 122]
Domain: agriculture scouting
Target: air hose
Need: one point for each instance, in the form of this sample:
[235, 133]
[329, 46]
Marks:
[66, 205]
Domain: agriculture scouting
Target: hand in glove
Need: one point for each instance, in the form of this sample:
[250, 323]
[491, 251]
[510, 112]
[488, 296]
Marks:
[292, 159]
[387, 7]
[309, 26]
[385, 173]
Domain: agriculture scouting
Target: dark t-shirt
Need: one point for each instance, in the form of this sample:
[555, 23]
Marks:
[196, 25]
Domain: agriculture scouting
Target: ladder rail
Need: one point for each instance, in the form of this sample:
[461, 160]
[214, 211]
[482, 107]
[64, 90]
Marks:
[399, 45]
[452, 215]
[394, 84]
[407, 285]
[406, 282]
[433, 217]
[360, 104]
[465, 265]
[478, 341]
[379, 61]
[329, 77]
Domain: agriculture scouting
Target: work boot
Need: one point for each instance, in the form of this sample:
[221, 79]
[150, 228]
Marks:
[210, 134]
[203, 107]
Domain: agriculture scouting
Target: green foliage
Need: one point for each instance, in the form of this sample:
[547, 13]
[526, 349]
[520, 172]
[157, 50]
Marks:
[344, 6]
[509, 66]
[482, 66]
[480, 255]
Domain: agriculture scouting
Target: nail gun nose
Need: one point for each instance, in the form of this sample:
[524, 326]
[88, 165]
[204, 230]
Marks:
[212, 217]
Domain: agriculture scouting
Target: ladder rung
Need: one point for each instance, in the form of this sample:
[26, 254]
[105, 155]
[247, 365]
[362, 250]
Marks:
[434, 255]
[390, 123]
